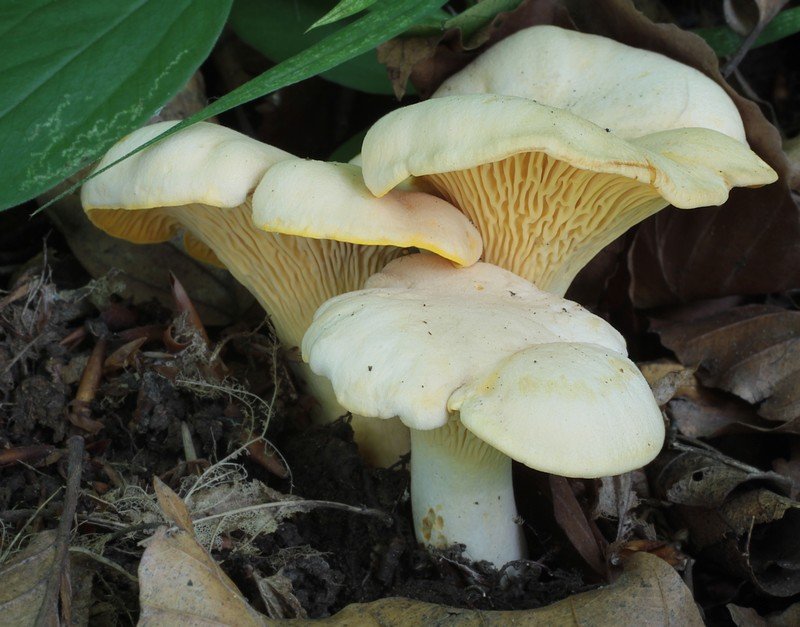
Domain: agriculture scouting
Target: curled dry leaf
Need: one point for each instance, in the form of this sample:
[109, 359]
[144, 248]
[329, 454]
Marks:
[25, 577]
[679, 256]
[701, 412]
[579, 529]
[180, 584]
[648, 589]
[741, 519]
[751, 351]
[277, 595]
[748, 617]
[173, 506]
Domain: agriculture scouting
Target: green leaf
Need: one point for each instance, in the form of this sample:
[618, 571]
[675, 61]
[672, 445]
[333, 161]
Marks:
[385, 22]
[725, 42]
[278, 29]
[75, 75]
[344, 9]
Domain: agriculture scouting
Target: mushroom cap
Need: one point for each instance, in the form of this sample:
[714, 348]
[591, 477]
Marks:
[424, 339]
[330, 201]
[631, 91]
[572, 409]
[422, 328]
[689, 167]
[204, 164]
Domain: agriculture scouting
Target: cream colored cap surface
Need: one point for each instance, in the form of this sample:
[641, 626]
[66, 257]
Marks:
[571, 409]
[690, 167]
[330, 201]
[422, 329]
[631, 91]
[205, 163]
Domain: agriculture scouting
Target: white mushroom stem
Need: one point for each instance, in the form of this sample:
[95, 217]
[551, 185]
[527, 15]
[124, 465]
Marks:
[462, 493]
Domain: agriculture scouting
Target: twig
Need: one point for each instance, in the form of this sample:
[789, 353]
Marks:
[105, 561]
[15, 515]
[747, 44]
[74, 470]
[301, 504]
[19, 536]
[81, 413]
[701, 448]
[19, 355]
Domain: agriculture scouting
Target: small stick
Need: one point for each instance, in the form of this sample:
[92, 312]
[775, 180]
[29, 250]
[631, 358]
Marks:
[81, 412]
[30, 454]
[49, 605]
[299, 504]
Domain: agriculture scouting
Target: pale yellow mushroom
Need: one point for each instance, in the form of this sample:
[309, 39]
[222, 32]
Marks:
[555, 142]
[202, 181]
[484, 368]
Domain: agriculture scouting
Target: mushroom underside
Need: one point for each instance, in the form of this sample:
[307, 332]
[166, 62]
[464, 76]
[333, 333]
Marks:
[541, 217]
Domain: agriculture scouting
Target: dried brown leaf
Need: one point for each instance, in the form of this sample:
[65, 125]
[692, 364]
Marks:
[738, 517]
[401, 54]
[25, 577]
[180, 584]
[749, 245]
[748, 617]
[276, 593]
[751, 351]
[436, 58]
[700, 412]
[578, 528]
[25, 580]
[649, 590]
[666, 379]
[173, 506]
[700, 479]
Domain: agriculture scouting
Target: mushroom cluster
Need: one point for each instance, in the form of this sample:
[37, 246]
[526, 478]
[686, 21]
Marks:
[546, 148]
[215, 184]
[554, 143]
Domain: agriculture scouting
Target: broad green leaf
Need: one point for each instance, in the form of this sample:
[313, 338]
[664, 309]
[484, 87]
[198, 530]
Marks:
[278, 29]
[75, 75]
[725, 42]
[344, 9]
[385, 22]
